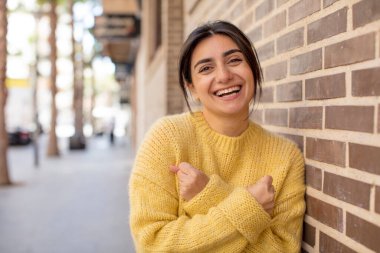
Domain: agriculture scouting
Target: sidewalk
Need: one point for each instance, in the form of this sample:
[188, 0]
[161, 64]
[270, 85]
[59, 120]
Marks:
[77, 203]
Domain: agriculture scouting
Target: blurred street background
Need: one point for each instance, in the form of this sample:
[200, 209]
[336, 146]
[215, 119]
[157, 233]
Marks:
[75, 204]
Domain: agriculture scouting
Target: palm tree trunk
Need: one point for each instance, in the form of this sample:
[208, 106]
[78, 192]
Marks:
[53, 143]
[93, 99]
[4, 175]
[78, 95]
[77, 141]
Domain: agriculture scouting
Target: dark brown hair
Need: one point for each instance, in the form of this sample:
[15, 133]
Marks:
[209, 29]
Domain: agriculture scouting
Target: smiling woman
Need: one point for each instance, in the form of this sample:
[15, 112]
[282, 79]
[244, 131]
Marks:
[212, 180]
[222, 80]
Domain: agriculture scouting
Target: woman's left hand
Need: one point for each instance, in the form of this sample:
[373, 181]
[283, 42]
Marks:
[191, 180]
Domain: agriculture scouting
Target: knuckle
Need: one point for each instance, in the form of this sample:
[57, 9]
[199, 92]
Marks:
[183, 164]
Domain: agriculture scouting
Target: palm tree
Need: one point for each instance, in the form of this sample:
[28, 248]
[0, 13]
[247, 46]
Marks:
[4, 175]
[53, 149]
[78, 140]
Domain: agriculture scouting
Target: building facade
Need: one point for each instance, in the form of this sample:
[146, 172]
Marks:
[321, 66]
[156, 91]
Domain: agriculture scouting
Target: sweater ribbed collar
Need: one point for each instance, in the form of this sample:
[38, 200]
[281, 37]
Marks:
[224, 143]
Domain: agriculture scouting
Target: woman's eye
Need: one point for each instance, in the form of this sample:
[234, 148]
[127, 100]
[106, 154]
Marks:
[204, 69]
[235, 60]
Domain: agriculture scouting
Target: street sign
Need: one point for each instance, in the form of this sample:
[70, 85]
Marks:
[116, 26]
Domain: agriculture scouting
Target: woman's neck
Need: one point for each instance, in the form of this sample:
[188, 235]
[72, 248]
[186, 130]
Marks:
[232, 126]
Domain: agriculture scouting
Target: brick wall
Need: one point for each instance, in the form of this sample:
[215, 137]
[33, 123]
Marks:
[321, 63]
[174, 16]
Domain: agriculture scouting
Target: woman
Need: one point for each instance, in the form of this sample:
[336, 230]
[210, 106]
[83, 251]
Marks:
[213, 181]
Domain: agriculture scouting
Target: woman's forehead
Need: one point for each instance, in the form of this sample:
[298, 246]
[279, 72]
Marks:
[213, 46]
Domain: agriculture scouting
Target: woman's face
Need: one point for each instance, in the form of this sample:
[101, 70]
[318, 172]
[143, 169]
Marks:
[221, 77]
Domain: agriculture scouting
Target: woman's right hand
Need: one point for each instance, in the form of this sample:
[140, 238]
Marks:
[191, 180]
[263, 191]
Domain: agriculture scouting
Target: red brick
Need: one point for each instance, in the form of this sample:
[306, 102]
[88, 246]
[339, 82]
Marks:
[313, 177]
[306, 117]
[295, 138]
[328, 26]
[350, 51]
[326, 87]
[352, 118]
[267, 95]
[302, 9]
[378, 119]
[174, 4]
[275, 24]
[174, 10]
[281, 2]
[246, 21]
[289, 92]
[328, 151]
[365, 12]
[289, 41]
[256, 34]
[308, 234]
[366, 82]
[377, 199]
[363, 232]
[306, 62]
[327, 3]
[222, 7]
[266, 51]
[238, 10]
[175, 27]
[257, 116]
[174, 39]
[248, 3]
[328, 244]
[278, 117]
[264, 9]
[365, 158]
[346, 189]
[327, 214]
[275, 71]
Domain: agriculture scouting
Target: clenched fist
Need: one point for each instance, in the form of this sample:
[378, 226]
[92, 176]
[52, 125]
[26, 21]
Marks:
[263, 191]
[191, 180]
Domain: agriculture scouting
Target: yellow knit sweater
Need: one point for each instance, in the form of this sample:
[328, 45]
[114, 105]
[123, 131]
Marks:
[223, 217]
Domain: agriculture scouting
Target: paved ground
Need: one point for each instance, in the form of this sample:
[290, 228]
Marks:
[74, 204]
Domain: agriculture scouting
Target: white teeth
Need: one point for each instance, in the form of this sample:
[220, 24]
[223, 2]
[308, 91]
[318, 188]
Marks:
[229, 90]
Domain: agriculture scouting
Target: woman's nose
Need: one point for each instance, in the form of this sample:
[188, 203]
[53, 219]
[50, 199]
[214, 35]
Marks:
[223, 74]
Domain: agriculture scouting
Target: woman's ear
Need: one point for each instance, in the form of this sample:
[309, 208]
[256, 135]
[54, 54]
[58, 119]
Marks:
[193, 92]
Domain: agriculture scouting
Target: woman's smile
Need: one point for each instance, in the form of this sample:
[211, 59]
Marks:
[228, 92]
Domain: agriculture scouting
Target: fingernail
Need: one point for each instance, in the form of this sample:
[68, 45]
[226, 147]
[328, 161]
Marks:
[173, 168]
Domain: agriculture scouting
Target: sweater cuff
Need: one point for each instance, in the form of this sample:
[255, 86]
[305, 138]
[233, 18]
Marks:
[245, 213]
[215, 191]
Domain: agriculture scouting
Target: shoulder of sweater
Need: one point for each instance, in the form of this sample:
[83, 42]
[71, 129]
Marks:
[171, 125]
[278, 140]
[178, 120]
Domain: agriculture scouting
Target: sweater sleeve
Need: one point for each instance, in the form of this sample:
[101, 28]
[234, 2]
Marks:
[215, 191]
[155, 221]
[284, 233]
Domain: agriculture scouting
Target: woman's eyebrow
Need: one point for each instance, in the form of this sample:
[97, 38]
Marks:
[228, 52]
[231, 51]
[203, 61]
